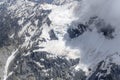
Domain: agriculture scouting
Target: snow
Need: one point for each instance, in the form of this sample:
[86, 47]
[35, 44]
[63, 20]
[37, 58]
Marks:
[83, 67]
[21, 21]
[90, 47]
[114, 58]
[57, 47]
[1, 3]
[38, 64]
[11, 36]
[9, 61]
[23, 29]
[94, 47]
[62, 15]
[45, 31]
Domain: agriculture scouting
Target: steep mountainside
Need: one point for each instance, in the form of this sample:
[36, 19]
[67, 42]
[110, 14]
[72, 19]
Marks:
[58, 40]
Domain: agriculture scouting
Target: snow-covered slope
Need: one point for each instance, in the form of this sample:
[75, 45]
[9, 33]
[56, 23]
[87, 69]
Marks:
[63, 38]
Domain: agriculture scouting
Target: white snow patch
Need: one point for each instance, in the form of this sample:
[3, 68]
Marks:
[38, 64]
[62, 15]
[58, 47]
[24, 28]
[83, 67]
[11, 36]
[45, 31]
[9, 60]
[91, 47]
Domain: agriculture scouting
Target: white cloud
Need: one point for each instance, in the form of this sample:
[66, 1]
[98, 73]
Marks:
[108, 10]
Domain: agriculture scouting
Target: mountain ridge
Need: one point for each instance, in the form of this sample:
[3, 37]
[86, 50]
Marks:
[58, 38]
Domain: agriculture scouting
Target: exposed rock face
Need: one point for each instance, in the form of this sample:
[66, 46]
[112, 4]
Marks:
[43, 40]
[73, 33]
[106, 70]
[44, 66]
